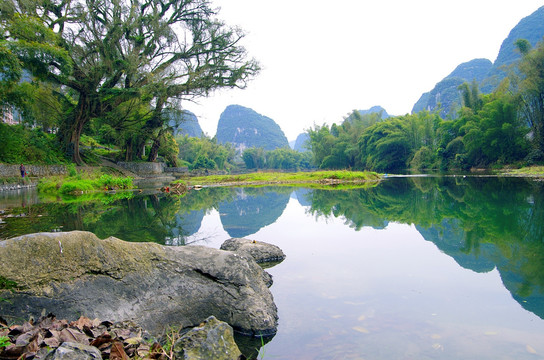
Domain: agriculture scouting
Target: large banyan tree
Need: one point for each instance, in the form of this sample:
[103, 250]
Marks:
[131, 58]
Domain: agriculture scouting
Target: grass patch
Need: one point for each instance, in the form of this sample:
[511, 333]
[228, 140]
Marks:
[79, 182]
[526, 171]
[260, 178]
[6, 284]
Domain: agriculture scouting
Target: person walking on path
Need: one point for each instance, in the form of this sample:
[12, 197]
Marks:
[23, 171]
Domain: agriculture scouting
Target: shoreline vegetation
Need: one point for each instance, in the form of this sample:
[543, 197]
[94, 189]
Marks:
[88, 181]
[314, 178]
[529, 171]
[84, 181]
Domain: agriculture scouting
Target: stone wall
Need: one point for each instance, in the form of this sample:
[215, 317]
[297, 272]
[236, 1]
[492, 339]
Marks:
[143, 168]
[7, 171]
[177, 170]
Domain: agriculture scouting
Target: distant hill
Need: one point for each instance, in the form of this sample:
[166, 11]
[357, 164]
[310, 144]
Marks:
[375, 110]
[369, 116]
[530, 28]
[245, 128]
[300, 142]
[487, 74]
[445, 92]
[185, 122]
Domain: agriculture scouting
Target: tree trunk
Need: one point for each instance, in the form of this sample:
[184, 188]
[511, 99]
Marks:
[73, 127]
[154, 152]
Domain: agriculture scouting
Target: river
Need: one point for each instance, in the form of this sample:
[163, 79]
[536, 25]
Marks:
[414, 268]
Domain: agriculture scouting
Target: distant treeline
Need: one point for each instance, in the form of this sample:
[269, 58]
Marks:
[505, 127]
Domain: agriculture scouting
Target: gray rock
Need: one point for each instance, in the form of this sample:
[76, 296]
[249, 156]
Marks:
[75, 273]
[260, 251]
[74, 351]
[213, 339]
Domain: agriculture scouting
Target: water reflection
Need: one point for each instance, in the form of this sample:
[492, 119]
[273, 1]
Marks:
[483, 224]
[252, 209]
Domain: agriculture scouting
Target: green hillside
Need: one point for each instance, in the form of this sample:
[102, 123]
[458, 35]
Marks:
[487, 74]
[245, 128]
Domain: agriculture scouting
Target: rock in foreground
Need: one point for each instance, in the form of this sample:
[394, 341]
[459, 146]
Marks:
[76, 273]
[86, 339]
[213, 339]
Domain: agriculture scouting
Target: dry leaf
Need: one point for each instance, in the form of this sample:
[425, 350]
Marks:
[118, 352]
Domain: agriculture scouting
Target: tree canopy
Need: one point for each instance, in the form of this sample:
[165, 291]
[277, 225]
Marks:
[131, 58]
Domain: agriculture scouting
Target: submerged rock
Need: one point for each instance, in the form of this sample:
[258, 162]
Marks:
[76, 273]
[259, 251]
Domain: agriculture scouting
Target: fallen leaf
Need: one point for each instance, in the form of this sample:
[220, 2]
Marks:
[82, 322]
[118, 352]
[134, 340]
[102, 339]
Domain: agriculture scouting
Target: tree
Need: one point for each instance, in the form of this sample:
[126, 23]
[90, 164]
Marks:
[531, 90]
[385, 146]
[194, 151]
[152, 50]
[254, 158]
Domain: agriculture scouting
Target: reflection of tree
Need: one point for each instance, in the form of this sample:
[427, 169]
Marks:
[481, 222]
[253, 209]
[131, 218]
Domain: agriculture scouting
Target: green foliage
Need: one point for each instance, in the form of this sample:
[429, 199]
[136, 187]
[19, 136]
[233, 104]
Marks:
[107, 73]
[423, 159]
[4, 342]
[488, 131]
[385, 146]
[205, 153]
[282, 158]
[72, 172]
[289, 178]
[115, 182]
[7, 284]
[79, 183]
[254, 158]
[22, 145]
[532, 93]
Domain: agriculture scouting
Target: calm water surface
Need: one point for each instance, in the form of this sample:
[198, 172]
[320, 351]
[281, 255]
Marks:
[415, 268]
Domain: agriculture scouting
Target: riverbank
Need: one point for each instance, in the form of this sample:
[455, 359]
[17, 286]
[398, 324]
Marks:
[530, 171]
[278, 178]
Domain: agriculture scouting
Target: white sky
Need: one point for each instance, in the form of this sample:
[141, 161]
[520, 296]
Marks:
[322, 59]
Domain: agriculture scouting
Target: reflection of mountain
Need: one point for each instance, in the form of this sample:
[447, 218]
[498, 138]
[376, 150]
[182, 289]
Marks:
[303, 196]
[450, 237]
[251, 210]
[186, 224]
[482, 223]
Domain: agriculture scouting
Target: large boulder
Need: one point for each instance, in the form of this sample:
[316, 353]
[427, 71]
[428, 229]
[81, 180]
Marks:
[213, 339]
[75, 273]
[259, 251]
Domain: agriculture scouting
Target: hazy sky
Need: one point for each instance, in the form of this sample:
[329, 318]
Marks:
[322, 59]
